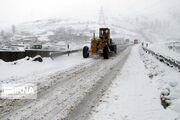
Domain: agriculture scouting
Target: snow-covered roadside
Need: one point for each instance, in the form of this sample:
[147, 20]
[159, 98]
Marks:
[162, 48]
[29, 71]
[132, 95]
[166, 79]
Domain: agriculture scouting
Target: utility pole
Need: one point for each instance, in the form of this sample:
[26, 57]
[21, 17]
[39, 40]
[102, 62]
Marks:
[101, 17]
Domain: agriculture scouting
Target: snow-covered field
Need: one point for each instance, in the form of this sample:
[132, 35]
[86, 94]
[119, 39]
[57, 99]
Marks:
[30, 71]
[135, 94]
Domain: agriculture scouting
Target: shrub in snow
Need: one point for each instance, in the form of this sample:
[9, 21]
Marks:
[165, 100]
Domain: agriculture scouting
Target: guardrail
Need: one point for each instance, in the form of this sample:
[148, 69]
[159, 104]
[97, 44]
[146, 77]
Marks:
[165, 59]
[9, 56]
[56, 54]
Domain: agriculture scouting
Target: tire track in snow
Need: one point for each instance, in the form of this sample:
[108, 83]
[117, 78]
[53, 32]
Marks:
[64, 91]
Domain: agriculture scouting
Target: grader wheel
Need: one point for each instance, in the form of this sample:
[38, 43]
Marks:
[106, 52]
[85, 52]
[115, 48]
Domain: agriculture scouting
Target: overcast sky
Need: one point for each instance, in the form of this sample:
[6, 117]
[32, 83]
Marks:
[16, 11]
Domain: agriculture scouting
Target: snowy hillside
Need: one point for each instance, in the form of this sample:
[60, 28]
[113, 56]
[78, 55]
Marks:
[74, 31]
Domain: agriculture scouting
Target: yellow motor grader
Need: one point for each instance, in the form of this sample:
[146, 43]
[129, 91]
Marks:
[102, 45]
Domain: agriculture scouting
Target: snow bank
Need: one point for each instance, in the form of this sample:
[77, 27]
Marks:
[166, 79]
[2, 62]
[132, 95]
[30, 71]
[162, 48]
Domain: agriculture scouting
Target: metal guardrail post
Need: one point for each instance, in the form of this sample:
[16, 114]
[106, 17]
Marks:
[167, 60]
[57, 54]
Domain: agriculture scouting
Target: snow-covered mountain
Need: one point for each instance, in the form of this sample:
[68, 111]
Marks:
[74, 30]
[77, 31]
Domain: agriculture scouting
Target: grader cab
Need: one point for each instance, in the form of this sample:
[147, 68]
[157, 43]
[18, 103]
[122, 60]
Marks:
[102, 45]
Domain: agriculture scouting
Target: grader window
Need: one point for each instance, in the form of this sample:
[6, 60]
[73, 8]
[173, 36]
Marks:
[103, 33]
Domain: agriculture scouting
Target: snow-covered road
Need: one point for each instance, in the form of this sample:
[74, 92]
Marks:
[62, 92]
[132, 95]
